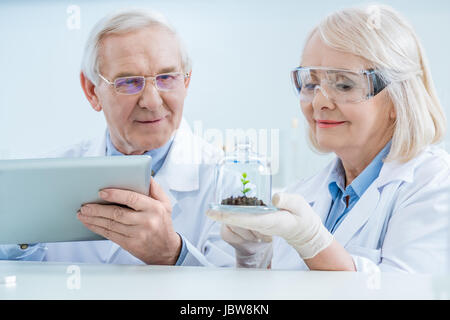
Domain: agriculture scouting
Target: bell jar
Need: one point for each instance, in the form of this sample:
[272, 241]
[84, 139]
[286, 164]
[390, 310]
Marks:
[243, 182]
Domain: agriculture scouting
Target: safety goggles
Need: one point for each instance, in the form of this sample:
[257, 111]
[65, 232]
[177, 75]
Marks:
[135, 84]
[340, 86]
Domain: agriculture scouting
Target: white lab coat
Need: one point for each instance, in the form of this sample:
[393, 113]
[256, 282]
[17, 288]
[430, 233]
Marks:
[401, 223]
[187, 177]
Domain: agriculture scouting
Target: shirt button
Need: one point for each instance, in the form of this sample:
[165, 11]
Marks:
[23, 246]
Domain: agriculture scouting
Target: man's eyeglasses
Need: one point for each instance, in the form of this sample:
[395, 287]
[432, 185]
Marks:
[135, 84]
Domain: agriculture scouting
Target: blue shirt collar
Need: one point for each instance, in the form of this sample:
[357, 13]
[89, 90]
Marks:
[362, 182]
[337, 180]
[158, 155]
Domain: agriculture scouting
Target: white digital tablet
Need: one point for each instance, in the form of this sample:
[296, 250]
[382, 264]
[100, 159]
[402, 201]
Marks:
[39, 198]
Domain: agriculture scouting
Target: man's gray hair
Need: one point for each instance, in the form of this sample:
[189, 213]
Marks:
[122, 22]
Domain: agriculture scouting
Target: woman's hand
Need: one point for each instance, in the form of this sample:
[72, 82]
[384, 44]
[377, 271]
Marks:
[253, 250]
[296, 222]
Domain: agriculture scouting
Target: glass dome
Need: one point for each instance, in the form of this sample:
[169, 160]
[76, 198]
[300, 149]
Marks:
[243, 182]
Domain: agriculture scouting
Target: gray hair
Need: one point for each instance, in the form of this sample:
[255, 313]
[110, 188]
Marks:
[122, 22]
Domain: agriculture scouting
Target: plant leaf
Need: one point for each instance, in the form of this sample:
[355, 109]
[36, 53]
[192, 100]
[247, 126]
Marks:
[246, 190]
[245, 182]
[244, 175]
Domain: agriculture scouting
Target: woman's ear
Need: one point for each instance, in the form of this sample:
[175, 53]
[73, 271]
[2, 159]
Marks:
[89, 91]
[392, 112]
[389, 105]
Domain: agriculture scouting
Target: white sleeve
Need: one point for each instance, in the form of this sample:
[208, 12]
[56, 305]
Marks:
[213, 251]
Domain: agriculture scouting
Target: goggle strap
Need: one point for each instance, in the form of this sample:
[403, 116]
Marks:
[378, 83]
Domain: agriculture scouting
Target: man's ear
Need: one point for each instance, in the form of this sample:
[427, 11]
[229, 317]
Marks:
[89, 91]
[187, 81]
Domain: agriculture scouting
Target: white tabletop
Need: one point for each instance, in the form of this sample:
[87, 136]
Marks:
[43, 280]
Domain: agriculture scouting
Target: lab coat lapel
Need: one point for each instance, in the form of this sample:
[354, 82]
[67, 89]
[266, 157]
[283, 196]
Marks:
[358, 216]
[392, 173]
[97, 148]
[180, 171]
[317, 193]
[322, 206]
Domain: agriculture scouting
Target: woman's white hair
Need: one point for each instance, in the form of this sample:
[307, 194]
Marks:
[121, 22]
[385, 39]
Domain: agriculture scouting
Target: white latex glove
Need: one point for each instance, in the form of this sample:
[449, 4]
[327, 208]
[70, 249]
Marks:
[253, 250]
[296, 222]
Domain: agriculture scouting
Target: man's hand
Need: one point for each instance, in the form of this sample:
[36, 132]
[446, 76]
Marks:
[144, 228]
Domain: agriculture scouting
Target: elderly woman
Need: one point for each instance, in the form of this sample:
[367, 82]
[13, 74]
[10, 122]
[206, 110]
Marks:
[382, 204]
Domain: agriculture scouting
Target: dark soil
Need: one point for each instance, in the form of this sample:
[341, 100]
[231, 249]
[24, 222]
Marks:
[243, 201]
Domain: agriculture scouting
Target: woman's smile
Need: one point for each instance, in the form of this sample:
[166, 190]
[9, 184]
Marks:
[325, 124]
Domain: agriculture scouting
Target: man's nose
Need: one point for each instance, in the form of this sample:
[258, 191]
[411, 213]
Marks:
[150, 97]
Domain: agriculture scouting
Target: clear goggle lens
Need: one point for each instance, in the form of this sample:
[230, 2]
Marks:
[340, 86]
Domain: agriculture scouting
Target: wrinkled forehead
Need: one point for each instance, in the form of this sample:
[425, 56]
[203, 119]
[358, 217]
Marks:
[146, 51]
[317, 53]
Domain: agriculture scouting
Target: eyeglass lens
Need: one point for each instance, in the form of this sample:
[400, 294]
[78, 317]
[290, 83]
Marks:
[133, 85]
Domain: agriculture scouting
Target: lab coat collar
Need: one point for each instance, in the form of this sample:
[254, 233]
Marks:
[391, 175]
[180, 171]
[396, 171]
[97, 148]
[321, 201]
[390, 172]
[358, 216]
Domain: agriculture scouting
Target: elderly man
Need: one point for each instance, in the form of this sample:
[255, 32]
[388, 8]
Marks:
[136, 71]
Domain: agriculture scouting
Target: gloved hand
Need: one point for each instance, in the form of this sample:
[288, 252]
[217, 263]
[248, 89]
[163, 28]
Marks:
[296, 222]
[253, 250]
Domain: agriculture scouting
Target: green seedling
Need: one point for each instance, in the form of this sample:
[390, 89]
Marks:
[244, 183]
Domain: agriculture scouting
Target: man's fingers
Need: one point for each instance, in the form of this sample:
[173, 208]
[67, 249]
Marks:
[106, 233]
[112, 212]
[128, 198]
[106, 224]
[157, 193]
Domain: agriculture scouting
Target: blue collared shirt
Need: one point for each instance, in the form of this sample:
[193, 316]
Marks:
[158, 157]
[344, 199]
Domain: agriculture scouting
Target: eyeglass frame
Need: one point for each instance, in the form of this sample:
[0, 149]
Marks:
[113, 83]
[376, 81]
